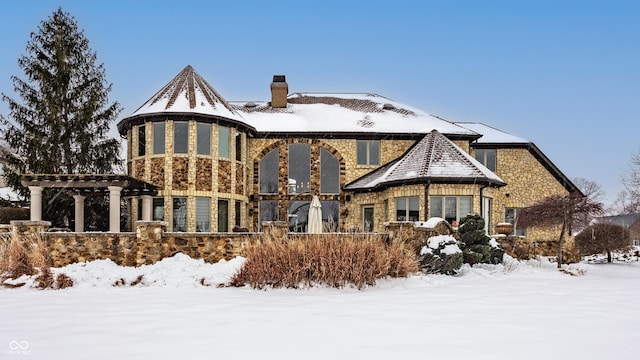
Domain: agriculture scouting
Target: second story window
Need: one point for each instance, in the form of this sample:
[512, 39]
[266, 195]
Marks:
[204, 139]
[268, 173]
[142, 140]
[487, 157]
[223, 142]
[299, 168]
[368, 152]
[238, 146]
[180, 137]
[158, 138]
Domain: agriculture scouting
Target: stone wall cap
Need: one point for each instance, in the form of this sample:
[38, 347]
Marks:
[30, 223]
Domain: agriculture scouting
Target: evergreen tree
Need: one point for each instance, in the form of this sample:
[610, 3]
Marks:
[60, 123]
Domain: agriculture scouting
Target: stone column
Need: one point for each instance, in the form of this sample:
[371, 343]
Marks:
[146, 207]
[79, 213]
[114, 208]
[36, 203]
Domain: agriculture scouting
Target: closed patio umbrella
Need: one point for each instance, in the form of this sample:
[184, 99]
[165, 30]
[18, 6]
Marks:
[315, 216]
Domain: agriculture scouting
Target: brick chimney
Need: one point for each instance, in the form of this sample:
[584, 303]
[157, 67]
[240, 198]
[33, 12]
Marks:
[279, 92]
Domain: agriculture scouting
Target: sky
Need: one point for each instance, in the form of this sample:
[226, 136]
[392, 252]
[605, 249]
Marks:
[564, 75]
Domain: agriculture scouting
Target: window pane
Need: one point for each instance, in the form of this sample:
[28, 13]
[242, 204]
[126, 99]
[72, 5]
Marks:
[465, 206]
[180, 214]
[330, 213]
[223, 142]
[435, 206]
[367, 219]
[158, 138]
[158, 209]
[142, 140]
[374, 152]
[269, 173]
[450, 209]
[491, 159]
[401, 209]
[362, 152]
[203, 214]
[414, 208]
[238, 210]
[480, 156]
[238, 146]
[298, 216]
[268, 210]
[299, 168]
[204, 139]
[223, 215]
[329, 173]
[180, 137]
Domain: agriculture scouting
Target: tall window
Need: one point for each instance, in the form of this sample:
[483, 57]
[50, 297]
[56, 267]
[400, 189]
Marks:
[142, 140]
[179, 214]
[298, 214]
[367, 218]
[269, 173]
[368, 152]
[511, 216]
[329, 173]
[487, 157]
[223, 215]
[203, 214]
[204, 139]
[268, 210]
[223, 142]
[238, 145]
[450, 208]
[299, 168]
[407, 208]
[330, 213]
[180, 137]
[158, 209]
[158, 138]
[238, 212]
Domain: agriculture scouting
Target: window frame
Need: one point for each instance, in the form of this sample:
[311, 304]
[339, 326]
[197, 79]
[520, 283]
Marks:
[223, 218]
[443, 211]
[200, 200]
[180, 137]
[514, 221]
[273, 172]
[327, 183]
[224, 137]
[142, 140]
[367, 161]
[159, 142]
[175, 216]
[203, 129]
[483, 155]
[407, 200]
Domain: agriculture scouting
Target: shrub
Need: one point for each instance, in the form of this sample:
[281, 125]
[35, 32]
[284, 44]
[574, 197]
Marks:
[441, 255]
[331, 260]
[477, 247]
[26, 258]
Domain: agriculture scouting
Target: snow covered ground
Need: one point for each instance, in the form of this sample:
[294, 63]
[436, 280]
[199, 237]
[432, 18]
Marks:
[525, 310]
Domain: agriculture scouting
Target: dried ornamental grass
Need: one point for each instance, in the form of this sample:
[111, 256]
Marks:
[327, 260]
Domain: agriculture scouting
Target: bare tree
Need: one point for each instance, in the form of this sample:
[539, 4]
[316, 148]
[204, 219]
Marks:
[594, 194]
[560, 210]
[631, 182]
[602, 238]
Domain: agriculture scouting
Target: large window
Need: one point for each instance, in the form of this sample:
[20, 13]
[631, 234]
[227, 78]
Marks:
[368, 152]
[367, 218]
[204, 139]
[268, 211]
[407, 208]
[223, 215]
[180, 137]
[142, 140]
[487, 157]
[329, 173]
[179, 214]
[158, 138]
[223, 142]
[269, 173]
[330, 213]
[238, 145]
[203, 214]
[450, 208]
[511, 216]
[158, 209]
[298, 216]
[299, 168]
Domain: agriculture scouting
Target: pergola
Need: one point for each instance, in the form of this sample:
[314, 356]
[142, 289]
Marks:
[83, 185]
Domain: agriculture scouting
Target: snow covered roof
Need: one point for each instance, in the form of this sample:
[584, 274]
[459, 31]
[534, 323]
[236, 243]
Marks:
[624, 220]
[433, 159]
[491, 135]
[187, 93]
[344, 113]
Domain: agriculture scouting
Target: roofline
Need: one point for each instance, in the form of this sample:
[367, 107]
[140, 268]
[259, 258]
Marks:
[359, 135]
[427, 180]
[125, 124]
[540, 156]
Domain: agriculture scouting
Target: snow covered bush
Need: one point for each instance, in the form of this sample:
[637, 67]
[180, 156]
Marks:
[441, 255]
[477, 247]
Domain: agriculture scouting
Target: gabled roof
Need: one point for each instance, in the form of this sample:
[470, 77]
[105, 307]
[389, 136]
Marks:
[345, 114]
[624, 220]
[498, 139]
[434, 159]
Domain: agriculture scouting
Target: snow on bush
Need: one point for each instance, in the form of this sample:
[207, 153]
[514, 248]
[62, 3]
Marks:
[442, 255]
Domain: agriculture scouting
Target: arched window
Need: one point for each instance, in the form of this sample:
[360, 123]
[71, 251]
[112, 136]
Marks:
[269, 173]
[299, 168]
[329, 173]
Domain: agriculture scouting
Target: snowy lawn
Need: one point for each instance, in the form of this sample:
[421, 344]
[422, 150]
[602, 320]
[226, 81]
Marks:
[525, 310]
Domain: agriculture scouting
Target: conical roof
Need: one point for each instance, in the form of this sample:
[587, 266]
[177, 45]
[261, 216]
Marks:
[433, 159]
[188, 92]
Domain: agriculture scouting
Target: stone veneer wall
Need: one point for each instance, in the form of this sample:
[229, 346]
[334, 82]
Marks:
[191, 175]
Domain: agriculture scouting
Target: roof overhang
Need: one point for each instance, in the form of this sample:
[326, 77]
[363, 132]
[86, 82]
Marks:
[480, 181]
[127, 123]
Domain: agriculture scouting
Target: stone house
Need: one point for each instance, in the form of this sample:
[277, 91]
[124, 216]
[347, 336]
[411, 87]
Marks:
[219, 164]
[630, 222]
